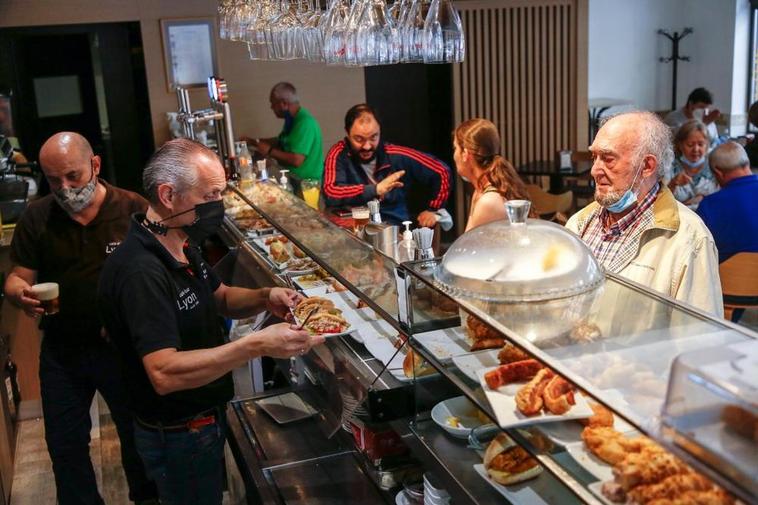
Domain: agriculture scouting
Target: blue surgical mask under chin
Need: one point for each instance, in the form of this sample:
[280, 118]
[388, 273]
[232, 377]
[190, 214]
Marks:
[628, 199]
[692, 164]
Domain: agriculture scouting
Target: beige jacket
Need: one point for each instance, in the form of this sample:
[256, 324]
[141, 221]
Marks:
[676, 254]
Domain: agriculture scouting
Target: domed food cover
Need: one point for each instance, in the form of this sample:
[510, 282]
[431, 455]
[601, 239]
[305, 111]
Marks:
[519, 260]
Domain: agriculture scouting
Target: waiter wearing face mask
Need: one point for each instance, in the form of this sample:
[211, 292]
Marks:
[65, 238]
[160, 303]
[298, 147]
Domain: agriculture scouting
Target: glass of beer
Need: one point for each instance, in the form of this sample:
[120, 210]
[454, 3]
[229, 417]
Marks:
[47, 293]
[311, 192]
[360, 219]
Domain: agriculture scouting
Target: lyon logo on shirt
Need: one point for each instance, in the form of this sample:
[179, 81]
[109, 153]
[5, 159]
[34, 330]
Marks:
[187, 299]
[111, 246]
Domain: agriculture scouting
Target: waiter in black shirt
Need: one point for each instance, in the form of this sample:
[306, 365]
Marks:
[65, 238]
[160, 303]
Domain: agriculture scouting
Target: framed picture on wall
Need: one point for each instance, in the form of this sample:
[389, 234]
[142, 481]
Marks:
[189, 51]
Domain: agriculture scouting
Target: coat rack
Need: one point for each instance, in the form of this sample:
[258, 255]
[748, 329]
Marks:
[675, 38]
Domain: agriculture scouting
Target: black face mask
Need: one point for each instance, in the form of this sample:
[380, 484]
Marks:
[208, 219]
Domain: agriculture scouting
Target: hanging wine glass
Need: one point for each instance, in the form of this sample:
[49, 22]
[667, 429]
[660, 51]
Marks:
[333, 27]
[443, 34]
[413, 31]
[351, 31]
[376, 42]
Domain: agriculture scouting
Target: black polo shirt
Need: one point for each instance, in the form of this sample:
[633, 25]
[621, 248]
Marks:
[149, 301]
[61, 250]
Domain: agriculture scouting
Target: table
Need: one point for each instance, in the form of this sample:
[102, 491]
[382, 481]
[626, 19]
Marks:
[552, 170]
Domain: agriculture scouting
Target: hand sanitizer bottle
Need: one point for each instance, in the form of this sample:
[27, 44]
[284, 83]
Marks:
[406, 249]
[284, 182]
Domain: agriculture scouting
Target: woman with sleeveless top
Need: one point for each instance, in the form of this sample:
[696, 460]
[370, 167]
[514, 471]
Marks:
[478, 161]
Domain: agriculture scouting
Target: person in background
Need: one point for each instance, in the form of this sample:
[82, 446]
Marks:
[691, 178]
[635, 227]
[698, 107]
[65, 237]
[477, 158]
[299, 145]
[161, 303]
[410, 184]
[732, 213]
[751, 144]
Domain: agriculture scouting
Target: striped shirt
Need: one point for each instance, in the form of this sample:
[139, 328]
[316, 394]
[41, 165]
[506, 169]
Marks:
[615, 244]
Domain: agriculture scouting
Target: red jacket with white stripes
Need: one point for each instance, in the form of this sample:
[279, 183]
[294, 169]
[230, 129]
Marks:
[426, 183]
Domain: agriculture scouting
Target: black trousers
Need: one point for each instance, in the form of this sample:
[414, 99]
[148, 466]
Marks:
[69, 376]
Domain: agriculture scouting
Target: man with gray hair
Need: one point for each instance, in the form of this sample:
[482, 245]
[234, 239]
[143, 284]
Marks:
[299, 145]
[160, 303]
[65, 238]
[635, 227]
[732, 213]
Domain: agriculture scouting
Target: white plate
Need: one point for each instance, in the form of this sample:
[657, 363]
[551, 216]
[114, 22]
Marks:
[444, 344]
[470, 364]
[348, 302]
[461, 408]
[517, 494]
[503, 402]
[594, 465]
[286, 408]
[308, 286]
[597, 489]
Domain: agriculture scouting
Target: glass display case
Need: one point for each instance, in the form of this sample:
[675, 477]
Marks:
[604, 350]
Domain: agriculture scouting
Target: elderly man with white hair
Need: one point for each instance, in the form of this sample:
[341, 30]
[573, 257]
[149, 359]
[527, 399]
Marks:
[299, 146]
[635, 227]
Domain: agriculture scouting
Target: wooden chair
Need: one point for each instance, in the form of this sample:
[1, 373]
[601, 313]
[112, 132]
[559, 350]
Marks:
[547, 204]
[739, 282]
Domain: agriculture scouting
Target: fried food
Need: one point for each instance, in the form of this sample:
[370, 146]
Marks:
[602, 417]
[507, 463]
[482, 336]
[741, 421]
[713, 496]
[558, 396]
[605, 443]
[279, 252]
[488, 343]
[278, 238]
[297, 252]
[529, 398]
[518, 371]
[510, 353]
[669, 487]
[647, 467]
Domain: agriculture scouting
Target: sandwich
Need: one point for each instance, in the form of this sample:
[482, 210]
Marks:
[314, 302]
[322, 323]
[415, 366]
[507, 463]
[279, 252]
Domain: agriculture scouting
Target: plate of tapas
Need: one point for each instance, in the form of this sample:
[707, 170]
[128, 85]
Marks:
[319, 316]
[527, 392]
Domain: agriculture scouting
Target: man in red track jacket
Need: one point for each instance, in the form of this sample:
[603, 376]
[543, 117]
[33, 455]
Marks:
[411, 185]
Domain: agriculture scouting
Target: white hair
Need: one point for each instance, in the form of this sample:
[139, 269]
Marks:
[173, 164]
[729, 156]
[654, 138]
[285, 91]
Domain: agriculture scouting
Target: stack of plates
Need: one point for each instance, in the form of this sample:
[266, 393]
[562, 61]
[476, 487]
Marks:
[433, 494]
[351, 408]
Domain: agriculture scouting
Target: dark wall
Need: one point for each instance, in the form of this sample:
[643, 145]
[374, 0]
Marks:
[415, 102]
[32, 53]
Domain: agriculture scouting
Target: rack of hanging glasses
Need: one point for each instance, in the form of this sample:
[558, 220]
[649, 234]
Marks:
[361, 33]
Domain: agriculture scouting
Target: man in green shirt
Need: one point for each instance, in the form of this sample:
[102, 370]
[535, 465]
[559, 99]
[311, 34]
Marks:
[299, 146]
